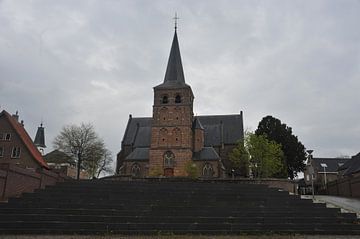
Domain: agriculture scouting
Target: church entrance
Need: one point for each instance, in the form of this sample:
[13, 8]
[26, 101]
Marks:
[168, 172]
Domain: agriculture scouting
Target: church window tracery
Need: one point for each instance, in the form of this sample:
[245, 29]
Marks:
[169, 159]
[208, 171]
[135, 170]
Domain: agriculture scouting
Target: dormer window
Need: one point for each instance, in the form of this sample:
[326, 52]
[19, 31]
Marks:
[165, 99]
[177, 99]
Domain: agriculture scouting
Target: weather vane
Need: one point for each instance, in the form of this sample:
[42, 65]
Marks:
[175, 19]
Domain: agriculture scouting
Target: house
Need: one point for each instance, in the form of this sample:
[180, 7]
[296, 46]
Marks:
[351, 168]
[324, 170]
[173, 137]
[16, 146]
[62, 163]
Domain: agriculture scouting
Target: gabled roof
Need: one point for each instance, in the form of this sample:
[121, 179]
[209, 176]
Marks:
[206, 154]
[58, 157]
[40, 137]
[138, 132]
[197, 124]
[20, 130]
[218, 129]
[138, 154]
[332, 164]
[352, 166]
[174, 76]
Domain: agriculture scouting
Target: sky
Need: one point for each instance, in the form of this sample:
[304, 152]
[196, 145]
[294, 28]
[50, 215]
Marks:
[67, 62]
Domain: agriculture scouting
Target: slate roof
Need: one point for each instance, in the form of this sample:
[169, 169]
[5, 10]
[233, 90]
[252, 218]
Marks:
[174, 76]
[138, 132]
[207, 153]
[25, 138]
[39, 140]
[197, 124]
[138, 154]
[333, 164]
[217, 129]
[352, 165]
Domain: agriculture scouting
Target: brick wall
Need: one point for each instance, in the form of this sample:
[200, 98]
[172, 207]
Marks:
[15, 180]
[346, 187]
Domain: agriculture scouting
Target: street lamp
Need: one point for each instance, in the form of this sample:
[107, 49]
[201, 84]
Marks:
[311, 170]
[324, 166]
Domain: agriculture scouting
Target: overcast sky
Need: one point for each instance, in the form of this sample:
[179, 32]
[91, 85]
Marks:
[67, 62]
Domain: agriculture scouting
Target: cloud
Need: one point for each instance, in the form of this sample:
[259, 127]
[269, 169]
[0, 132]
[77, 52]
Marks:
[97, 61]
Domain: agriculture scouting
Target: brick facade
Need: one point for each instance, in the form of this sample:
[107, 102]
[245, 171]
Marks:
[172, 129]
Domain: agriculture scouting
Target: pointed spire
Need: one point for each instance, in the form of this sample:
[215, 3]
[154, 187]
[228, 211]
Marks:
[174, 76]
[174, 71]
[40, 137]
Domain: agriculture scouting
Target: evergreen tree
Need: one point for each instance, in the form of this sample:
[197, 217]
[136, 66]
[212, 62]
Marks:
[294, 150]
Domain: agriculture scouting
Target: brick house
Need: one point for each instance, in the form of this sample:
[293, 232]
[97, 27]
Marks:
[323, 167]
[16, 146]
[173, 137]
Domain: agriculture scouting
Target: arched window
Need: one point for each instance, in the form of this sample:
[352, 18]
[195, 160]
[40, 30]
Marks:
[178, 99]
[135, 170]
[164, 99]
[169, 159]
[208, 171]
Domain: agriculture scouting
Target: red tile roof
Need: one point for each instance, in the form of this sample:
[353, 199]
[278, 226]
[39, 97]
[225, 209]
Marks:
[24, 136]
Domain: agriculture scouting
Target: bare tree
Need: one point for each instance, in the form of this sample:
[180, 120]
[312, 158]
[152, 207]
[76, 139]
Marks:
[98, 161]
[83, 144]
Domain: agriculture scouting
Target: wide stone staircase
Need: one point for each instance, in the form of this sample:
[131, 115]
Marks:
[170, 207]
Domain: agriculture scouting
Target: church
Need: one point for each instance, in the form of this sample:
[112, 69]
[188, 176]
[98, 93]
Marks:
[173, 138]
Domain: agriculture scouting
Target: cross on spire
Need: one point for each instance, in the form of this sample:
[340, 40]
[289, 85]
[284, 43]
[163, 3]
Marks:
[175, 19]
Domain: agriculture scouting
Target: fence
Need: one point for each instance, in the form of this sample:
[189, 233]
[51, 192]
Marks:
[15, 180]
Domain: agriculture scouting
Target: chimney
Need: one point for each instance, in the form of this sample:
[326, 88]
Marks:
[16, 116]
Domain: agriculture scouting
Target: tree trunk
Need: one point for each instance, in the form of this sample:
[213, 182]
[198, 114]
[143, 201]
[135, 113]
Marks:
[78, 167]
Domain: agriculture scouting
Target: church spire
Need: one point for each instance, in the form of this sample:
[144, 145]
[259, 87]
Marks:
[174, 71]
[174, 76]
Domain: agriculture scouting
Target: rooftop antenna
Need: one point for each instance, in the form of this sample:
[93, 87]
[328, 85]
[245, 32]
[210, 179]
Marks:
[175, 20]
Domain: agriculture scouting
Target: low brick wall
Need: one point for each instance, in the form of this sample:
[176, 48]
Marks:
[283, 184]
[346, 187]
[15, 180]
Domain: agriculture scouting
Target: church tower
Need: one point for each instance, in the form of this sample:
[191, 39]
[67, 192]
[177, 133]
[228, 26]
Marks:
[171, 131]
[39, 140]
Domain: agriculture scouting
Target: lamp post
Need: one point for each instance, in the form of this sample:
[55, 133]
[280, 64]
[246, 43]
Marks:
[324, 166]
[311, 170]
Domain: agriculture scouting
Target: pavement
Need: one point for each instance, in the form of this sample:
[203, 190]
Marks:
[346, 204]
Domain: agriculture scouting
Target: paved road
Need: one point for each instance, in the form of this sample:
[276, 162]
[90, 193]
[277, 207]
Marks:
[347, 204]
